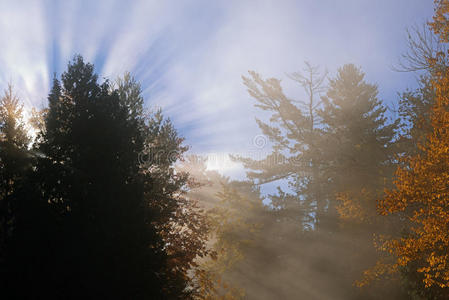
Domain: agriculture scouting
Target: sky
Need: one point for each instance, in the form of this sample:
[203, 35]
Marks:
[190, 55]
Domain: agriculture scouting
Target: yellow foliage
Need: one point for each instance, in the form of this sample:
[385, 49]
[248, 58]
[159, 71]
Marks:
[231, 232]
[421, 194]
[353, 206]
[381, 269]
[440, 24]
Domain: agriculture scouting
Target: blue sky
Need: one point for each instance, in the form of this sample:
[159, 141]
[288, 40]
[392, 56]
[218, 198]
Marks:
[190, 55]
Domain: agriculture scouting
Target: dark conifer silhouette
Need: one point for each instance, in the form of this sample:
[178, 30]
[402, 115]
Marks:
[13, 160]
[89, 212]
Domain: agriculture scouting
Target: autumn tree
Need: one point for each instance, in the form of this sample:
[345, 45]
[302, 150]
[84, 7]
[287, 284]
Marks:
[440, 24]
[420, 195]
[414, 112]
[421, 192]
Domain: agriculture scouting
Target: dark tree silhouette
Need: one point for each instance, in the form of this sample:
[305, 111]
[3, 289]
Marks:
[13, 160]
[90, 211]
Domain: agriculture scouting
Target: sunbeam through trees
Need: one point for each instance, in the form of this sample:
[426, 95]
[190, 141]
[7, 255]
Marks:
[341, 192]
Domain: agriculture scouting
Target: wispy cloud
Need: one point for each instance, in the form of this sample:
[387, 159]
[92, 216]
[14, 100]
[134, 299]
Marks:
[190, 56]
[24, 49]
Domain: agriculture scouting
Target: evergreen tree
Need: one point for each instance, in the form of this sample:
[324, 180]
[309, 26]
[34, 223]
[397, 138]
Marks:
[180, 222]
[91, 213]
[293, 129]
[14, 160]
[243, 259]
[357, 140]
[358, 148]
[345, 149]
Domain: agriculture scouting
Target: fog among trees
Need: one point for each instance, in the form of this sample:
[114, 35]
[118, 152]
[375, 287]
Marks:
[101, 199]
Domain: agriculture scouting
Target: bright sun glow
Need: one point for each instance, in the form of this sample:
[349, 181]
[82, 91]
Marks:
[224, 149]
[221, 162]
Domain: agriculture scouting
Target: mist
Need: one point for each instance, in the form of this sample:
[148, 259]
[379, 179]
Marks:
[224, 150]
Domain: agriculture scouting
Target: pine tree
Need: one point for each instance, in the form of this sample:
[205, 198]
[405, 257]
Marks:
[14, 160]
[91, 213]
[240, 237]
[181, 224]
[293, 131]
[357, 155]
[358, 142]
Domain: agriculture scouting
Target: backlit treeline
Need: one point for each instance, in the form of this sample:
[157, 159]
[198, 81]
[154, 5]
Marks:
[86, 211]
[103, 202]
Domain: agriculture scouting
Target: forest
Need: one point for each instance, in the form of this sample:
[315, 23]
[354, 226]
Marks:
[100, 197]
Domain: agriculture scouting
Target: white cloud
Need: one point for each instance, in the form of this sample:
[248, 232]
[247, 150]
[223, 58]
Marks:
[190, 56]
[24, 48]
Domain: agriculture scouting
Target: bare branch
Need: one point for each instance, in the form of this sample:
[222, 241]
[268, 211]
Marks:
[424, 48]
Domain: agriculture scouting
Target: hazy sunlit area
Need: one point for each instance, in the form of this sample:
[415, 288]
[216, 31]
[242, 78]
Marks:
[224, 149]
